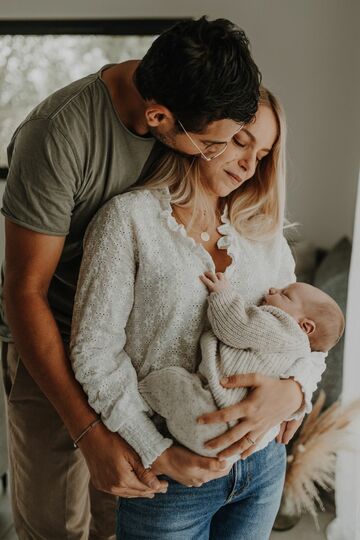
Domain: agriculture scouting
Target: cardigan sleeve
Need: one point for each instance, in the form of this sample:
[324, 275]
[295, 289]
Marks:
[103, 302]
[307, 371]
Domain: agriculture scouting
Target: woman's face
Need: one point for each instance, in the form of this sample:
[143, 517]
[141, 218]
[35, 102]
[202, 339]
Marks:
[237, 164]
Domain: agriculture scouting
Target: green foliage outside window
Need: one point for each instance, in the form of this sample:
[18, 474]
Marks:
[32, 67]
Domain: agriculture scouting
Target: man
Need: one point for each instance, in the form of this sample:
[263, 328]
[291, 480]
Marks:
[84, 144]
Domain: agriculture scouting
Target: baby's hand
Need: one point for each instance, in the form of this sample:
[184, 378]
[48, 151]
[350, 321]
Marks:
[215, 282]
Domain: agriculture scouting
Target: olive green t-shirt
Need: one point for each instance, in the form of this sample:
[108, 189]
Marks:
[66, 159]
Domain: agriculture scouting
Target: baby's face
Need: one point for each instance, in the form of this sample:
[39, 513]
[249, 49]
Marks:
[293, 299]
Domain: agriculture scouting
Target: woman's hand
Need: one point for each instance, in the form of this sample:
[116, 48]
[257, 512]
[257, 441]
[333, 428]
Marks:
[269, 402]
[189, 468]
[288, 430]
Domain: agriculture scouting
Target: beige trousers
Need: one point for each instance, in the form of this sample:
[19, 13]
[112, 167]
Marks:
[52, 498]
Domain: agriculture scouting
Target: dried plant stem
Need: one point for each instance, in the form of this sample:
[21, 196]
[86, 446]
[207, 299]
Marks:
[311, 464]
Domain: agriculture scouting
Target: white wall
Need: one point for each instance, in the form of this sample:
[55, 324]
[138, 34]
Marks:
[308, 52]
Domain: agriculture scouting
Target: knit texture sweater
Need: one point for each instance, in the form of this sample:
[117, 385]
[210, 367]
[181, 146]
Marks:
[140, 306]
[243, 339]
[248, 339]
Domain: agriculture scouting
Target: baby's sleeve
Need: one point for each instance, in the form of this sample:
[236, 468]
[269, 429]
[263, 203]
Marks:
[264, 329]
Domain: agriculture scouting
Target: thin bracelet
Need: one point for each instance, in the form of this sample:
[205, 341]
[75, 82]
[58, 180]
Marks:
[90, 426]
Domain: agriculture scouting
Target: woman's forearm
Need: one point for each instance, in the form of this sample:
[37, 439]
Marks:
[104, 300]
[110, 382]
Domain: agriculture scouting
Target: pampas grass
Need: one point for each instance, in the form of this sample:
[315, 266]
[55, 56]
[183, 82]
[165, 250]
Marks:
[311, 464]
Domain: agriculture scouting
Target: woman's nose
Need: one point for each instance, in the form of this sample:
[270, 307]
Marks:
[248, 164]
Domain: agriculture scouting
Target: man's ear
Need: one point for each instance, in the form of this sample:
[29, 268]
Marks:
[156, 114]
[308, 326]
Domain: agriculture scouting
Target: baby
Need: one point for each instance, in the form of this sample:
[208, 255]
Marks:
[265, 339]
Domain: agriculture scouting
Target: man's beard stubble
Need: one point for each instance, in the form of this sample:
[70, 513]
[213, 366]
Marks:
[169, 140]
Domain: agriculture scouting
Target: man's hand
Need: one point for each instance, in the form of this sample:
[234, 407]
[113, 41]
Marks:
[116, 468]
[215, 282]
[267, 404]
[189, 468]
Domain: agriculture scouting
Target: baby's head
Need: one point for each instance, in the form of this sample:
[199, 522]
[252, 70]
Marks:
[317, 314]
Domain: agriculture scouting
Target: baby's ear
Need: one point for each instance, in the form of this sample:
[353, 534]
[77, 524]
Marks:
[308, 326]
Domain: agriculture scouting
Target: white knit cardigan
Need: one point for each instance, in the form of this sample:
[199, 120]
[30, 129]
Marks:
[140, 306]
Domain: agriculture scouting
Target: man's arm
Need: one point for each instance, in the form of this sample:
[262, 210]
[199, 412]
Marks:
[31, 259]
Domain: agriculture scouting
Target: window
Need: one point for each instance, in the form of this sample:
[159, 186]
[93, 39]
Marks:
[38, 57]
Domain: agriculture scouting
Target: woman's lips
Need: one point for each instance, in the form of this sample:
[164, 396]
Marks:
[237, 180]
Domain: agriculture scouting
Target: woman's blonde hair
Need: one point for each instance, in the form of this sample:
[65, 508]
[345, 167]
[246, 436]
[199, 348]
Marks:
[256, 208]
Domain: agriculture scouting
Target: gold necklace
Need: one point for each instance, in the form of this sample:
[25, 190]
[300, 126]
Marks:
[204, 235]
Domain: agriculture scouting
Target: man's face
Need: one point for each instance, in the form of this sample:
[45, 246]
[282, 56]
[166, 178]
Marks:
[213, 137]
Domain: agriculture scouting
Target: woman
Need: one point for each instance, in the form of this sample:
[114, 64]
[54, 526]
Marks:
[140, 306]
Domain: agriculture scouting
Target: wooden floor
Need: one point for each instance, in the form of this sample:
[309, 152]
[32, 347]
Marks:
[304, 530]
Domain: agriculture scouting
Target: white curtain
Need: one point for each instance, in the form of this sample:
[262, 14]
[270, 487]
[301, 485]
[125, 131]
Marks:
[346, 526]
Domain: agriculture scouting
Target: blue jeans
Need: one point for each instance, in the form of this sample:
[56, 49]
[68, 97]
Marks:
[239, 506]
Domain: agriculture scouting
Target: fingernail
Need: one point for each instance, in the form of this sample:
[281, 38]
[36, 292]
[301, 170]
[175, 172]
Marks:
[154, 484]
[224, 380]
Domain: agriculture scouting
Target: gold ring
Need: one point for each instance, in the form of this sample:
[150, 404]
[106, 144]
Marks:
[249, 439]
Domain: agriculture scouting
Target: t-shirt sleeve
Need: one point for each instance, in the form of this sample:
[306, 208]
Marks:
[44, 175]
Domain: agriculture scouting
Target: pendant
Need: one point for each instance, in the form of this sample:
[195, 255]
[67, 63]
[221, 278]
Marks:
[205, 237]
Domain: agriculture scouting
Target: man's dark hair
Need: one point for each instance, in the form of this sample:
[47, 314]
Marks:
[201, 71]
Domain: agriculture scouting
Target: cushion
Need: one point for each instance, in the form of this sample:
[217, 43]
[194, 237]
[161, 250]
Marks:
[334, 263]
[332, 277]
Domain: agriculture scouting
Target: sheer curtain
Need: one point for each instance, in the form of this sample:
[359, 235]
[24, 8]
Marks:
[346, 526]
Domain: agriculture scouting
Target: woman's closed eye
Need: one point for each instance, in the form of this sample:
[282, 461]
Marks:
[244, 144]
[237, 142]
